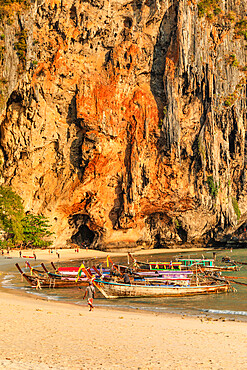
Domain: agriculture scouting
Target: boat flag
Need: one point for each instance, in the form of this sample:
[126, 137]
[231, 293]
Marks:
[79, 272]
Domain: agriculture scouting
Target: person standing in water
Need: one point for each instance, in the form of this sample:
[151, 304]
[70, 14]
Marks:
[90, 293]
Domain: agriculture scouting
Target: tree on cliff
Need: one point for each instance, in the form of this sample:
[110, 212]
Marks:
[11, 214]
[36, 230]
[20, 228]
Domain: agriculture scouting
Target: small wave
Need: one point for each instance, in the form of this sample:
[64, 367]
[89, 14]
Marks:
[54, 298]
[46, 296]
[32, 292]
[7, 279]
[6, 282]
[226, 312]
[144, 308]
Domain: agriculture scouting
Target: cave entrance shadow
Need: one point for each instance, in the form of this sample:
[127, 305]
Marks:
[84, 235]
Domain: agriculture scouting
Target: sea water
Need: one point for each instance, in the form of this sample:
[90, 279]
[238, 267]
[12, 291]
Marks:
[228, 305]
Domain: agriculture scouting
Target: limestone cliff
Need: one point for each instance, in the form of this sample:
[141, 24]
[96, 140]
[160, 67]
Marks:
[124, 121]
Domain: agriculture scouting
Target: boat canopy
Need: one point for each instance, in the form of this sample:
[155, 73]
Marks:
[165, 265]
[201, 262]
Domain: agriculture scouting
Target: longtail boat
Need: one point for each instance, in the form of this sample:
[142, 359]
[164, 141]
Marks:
[73, 270]
[205, 264]
[149, 279]
[229, 260]
[155, 266]
[45, 273]
[42, 281]
[113, 290]
[182, 264]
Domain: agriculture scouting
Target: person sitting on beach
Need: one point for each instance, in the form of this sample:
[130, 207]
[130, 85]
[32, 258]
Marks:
[90, 293]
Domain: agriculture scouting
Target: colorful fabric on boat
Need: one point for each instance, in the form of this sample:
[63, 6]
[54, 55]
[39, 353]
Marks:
[79, 271]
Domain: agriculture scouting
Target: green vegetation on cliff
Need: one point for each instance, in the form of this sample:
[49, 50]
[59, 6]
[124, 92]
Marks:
[21, 46]
[241, 28]
[231, 98]
[208, 8]
[213, 187]
[232, 60]
[35, 229]
[11, 214]
[236, 208]
[20, 228]
[8, 7]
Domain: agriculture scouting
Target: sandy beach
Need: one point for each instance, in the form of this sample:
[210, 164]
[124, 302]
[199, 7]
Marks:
[42, 334]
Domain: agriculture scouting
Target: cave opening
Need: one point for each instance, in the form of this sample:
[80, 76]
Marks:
[83, 236]
[183, 234]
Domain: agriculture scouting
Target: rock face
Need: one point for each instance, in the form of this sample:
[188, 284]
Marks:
[124, 122]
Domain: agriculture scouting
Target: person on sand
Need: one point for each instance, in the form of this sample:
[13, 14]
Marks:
[90, 293]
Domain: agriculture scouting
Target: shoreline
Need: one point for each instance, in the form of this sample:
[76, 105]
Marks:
[38, 333]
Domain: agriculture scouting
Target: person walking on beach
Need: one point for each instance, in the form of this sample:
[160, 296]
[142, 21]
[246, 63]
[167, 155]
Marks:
[90, 292]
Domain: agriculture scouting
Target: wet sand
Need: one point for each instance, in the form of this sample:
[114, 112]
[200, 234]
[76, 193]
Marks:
[42, 334]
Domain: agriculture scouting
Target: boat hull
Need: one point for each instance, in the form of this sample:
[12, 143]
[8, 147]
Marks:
[39, 283]
[118, 290]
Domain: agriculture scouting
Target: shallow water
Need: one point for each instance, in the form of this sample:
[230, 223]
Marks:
[233, 304]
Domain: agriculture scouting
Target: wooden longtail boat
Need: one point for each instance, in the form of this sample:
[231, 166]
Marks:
[181, 264]
[155, 266]
[165, 274]
[154, 279]
[42, 281]
[163, 280]
[229, 260]
[205, 264]
[47, 274]
[113, 290]
[73, 271]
